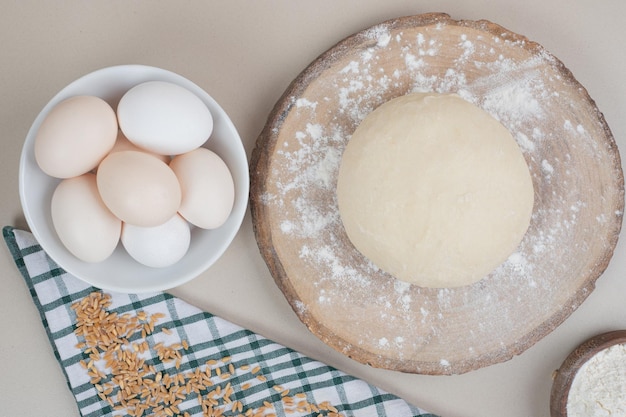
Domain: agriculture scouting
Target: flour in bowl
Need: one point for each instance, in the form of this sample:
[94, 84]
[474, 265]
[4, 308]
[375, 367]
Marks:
[599, 387]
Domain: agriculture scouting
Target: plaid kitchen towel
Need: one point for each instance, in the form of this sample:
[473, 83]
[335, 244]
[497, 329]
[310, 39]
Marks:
[154, 354]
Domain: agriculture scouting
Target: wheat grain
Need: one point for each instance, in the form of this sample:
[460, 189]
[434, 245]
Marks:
[127, 383]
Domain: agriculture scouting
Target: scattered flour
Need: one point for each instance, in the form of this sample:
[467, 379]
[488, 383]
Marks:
[303, 102]
[547, 168]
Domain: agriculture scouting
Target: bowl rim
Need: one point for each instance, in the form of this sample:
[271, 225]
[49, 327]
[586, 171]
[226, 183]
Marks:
[564, 376]
[240, 174]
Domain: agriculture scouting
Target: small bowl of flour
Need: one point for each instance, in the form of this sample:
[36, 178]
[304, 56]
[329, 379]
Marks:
[591, 382]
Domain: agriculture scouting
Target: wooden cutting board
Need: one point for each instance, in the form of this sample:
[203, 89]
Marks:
[369, 315]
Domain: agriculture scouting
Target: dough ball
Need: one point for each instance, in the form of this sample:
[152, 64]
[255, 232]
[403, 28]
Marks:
[434, 191]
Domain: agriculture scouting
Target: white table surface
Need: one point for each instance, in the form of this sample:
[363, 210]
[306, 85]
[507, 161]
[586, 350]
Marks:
[245, 53]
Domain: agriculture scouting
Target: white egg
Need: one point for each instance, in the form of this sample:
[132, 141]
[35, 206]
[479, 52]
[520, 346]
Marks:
[207, 187]
[158, 246]
[83, 223]
[164, 118]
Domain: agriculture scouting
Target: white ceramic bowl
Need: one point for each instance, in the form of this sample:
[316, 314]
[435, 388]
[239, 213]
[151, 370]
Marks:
[120, 272]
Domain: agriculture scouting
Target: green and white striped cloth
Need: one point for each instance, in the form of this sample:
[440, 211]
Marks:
[249, 375]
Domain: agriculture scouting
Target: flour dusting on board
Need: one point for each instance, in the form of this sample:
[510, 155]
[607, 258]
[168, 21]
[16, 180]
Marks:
[307, 162]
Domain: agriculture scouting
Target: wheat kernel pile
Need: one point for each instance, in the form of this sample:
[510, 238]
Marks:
[115, 347]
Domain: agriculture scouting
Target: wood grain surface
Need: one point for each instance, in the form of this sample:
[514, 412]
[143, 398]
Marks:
[369, 315]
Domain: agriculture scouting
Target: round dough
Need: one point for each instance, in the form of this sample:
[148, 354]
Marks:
[434, 191]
